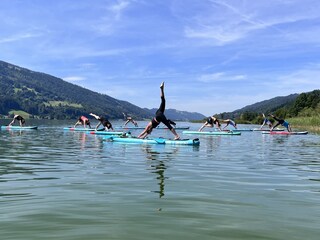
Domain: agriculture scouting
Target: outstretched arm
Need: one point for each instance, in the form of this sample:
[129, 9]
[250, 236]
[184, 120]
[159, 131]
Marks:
[203, 126]
[126, 123]
[12, 122]
[274, 126]
[98, 126]
[146, 131]
[226, 125]
[77, 123]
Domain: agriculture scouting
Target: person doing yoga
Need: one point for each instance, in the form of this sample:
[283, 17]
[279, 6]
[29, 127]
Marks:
[159, 118]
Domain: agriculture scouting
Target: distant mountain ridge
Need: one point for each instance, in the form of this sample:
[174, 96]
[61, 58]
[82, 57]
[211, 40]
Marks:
[44, 96]
[177, 115]
[265, 106]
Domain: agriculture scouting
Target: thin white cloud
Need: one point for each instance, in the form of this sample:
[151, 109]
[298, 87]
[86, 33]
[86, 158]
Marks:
[305, 78]
[220, 76]
[118, 8]
[74, 79]
[223, 22]
[107, 24]
[18, 37]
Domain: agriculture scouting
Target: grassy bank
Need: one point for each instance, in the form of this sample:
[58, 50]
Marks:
[311, 124]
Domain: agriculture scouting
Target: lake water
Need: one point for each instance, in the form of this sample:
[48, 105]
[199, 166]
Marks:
[56, 184]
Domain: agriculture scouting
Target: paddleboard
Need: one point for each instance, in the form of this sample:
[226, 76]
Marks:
[19, 128]
[107, 133]
[212, 133]
[153, 140]
[132, 128]
[79, 129]
[265, 129]
[285, 133]
[241, 130]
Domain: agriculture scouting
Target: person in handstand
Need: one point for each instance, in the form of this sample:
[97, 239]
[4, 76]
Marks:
[159, 117]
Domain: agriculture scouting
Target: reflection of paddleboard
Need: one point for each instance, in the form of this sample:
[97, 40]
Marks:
[19, 128]
[212, 133]
[285, 133]
[153, 140]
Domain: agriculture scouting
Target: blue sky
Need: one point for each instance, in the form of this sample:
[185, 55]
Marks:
[215, 56]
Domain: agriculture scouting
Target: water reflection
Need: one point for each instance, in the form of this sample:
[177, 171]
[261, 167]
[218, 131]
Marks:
[159, 155]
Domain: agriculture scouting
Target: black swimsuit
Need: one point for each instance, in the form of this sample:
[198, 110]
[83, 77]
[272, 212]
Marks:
[160, 117]
[105, 122]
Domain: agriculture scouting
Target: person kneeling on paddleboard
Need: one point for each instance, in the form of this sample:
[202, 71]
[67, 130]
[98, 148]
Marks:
[159, 118]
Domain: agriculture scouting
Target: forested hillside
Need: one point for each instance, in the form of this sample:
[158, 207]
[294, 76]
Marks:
[294, 105]
[45, 96]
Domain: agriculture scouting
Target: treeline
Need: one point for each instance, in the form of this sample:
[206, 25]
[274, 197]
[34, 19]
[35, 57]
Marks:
[304, 105]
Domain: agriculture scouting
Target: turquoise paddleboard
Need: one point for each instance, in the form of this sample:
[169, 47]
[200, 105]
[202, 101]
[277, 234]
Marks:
[153, 140]
[19, 128]
[285, 133]
[79, 129]
[217, 133]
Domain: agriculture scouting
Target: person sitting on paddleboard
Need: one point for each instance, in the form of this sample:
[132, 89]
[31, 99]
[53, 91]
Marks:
[159, 118]
[266, 121]
[211, 121]
[104, 121]
[280, 121]
[129, 119]
[231, 122]
[18, 118]
[83, 121]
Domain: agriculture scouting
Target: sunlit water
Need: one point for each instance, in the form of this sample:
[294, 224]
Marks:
[56, 184]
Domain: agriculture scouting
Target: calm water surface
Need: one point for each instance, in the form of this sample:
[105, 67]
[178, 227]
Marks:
[57, 184]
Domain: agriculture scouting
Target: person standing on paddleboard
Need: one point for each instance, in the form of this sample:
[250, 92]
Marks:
[266, 121]
[18, 118]
[159, 118]
[104, 121]
[83, 121]
[280, 121]
[211, 121]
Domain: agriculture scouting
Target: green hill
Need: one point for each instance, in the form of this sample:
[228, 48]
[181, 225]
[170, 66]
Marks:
[266, 106]
[294, 105]
[44, 96]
